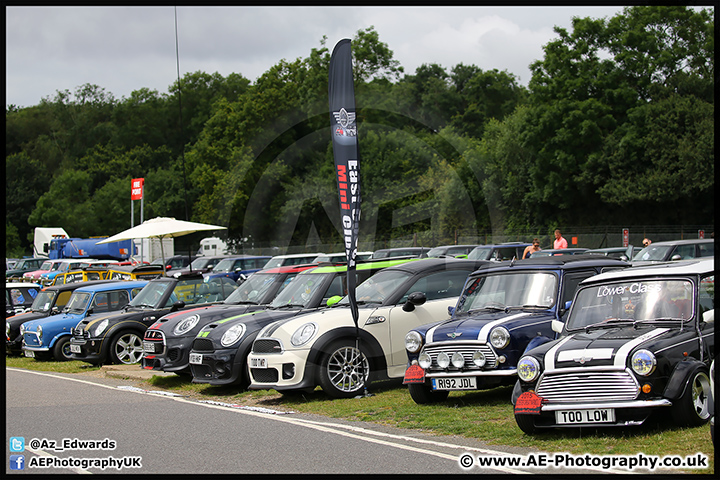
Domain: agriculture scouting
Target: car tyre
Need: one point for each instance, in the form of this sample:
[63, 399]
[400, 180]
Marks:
[692, 408]
[526, 424]
[344, 370]
[126, 348]
[61, 350]
[422, 394]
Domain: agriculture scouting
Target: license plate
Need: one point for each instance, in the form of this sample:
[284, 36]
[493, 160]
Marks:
[196, 358]
[75, 348]
[596, 415]
[149, 347]
[258, 362]
[30, 354]
[454, 383]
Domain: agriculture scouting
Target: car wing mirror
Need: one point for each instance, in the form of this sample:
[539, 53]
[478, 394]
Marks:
[565, 307]
[54, 311]
[708, 316]
[178, 305]
[415, 299]
[451, 310]
[557, 326]
[676, 257]
[333, 300]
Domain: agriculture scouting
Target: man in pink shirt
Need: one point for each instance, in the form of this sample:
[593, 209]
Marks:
[559, 242]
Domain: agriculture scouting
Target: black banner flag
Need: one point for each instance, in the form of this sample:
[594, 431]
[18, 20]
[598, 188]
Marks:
[343, 129]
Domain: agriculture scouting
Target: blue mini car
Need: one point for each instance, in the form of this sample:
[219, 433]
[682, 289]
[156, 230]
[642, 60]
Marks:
[49, 337]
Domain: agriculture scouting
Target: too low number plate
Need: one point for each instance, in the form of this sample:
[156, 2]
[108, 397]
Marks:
[598, 415]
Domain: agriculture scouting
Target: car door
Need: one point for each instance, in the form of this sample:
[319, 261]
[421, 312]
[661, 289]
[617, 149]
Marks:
[441, 289]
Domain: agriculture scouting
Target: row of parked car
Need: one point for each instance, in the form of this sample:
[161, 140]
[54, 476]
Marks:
[636, 338]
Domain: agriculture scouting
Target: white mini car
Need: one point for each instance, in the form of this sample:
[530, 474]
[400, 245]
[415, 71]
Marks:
[323, 349]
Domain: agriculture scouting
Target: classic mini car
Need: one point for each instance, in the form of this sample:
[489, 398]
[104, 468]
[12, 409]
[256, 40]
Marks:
[19, 297]
[219, 352]
[322, 348]
[551, 252]
[175, 262]
[675, 250]
[25, 265]
[117, 337]
[49, 337]
[168, 341]
[499, 252]
[234, 267]
[291, 259]
[635, 342]
[133, 272]
[66, 265]
[503, 308]
[47, 266]
[49, 301]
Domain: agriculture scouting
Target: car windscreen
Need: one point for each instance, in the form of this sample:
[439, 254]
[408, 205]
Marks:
[224, 266]
[480, 254]
[78, 302]
[631, 301]
[46, 266]
[151, 295]
[254, 288]
[299, 291]
[508, 290]
[652, 252]
[202, 262]
[378, 287]
[44, 301]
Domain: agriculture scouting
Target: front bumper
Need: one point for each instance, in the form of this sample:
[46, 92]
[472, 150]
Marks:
[627, 413]
[170, 355]
[283, 371]
[90, 350]
[218, 367]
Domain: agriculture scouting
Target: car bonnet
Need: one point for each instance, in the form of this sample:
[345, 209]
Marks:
[478, 327]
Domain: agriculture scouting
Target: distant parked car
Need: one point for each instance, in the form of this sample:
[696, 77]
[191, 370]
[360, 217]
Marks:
[202, 264]
[560, 251]
[450, 250]
[623, 253]
[676, 250]
[498, 252]
[47, 266]
[341, 257]
[25, 265]
[175, 262]
[291, 259]
[636, 341]
[50, 301]
[49, 337]
[233, 267]
[418, 252]
[65, 265]
[19, 297]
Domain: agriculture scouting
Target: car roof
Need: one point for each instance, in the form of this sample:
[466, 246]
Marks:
[508, 244]
[684, 242]
[298, 255]
[424, 264]
[609, 249]
[557, 262]
[21, 284]
[74, 285]
[378, 263]
[289, 268]
[127, 284]
[679, 267]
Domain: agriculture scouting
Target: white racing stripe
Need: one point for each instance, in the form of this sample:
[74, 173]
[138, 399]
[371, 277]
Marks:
[350, 431]
[623, 352]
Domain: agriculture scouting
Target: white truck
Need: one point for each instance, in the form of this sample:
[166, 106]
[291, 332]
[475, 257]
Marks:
[42, 238]
[212, 246]
[149, 249]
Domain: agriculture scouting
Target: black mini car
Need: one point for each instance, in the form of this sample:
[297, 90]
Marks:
[116, 337]
[505, 308]
[635, 342]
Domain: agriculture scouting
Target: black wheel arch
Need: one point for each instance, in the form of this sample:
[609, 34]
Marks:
[680, 376]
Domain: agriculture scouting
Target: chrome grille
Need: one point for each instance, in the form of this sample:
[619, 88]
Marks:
[466, 350]
[266, 345]
[584, 386]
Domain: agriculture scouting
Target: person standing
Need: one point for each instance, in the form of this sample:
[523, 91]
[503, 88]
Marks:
[530, 249]
[646, 242]
[559, 242]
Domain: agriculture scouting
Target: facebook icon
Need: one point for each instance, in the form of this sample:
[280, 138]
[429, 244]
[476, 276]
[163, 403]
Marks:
[17, 462]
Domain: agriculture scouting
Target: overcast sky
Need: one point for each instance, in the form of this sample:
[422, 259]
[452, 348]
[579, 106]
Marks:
[123, 49]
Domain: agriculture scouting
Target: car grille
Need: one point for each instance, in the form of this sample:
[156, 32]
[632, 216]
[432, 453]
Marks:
[264, 375]
[203, 344]
[154, 335]
[584, 386]
[266, 345]
[173, 354]
[466, 350]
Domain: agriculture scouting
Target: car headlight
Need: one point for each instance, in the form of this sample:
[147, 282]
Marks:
[233, 334]
[499, 337]
[528, 369]
[303, 334]
[413, 341]
[39, 332]
[7, 329]
[643, 362]
[186, 325]
[101, 327]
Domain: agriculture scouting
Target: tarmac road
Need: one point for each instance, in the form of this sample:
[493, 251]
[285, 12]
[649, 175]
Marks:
[153, 433]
